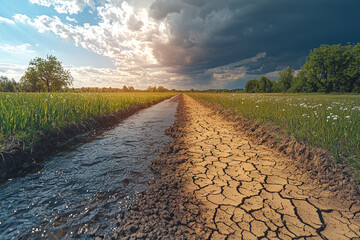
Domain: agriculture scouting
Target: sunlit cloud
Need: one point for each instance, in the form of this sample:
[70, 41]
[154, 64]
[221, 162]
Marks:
[21, 18]
[71, 19]
[66, 6]
[6, 20]
[202, 43]
[12, 71]
[18, 49]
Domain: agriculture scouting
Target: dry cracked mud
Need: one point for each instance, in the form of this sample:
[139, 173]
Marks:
[230, 188]
[251, 191]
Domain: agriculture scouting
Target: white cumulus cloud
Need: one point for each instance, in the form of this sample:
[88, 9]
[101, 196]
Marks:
[19, 49]
[66, 6]
[71, 19]
[124, 34]
[6, 20]
[21, 18]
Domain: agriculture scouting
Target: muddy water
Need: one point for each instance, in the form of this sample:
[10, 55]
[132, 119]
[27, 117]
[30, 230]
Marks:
[78, 191]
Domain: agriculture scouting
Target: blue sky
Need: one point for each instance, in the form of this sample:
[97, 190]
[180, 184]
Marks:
[45, 43]
[175, 43]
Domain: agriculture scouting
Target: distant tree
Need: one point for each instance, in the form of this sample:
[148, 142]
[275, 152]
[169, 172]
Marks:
[125, 88]
[327, 69]
[285, 79]
[46, 75]
[162, 89]
[353, 70]
[252, 86]
[300, 84]
[150, 89]
[7, 85]
[131, 89]
[264, 85]
[275, 86]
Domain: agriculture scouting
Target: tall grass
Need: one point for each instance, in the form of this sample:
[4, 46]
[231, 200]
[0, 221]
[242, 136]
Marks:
[24, 115]
[328, 121]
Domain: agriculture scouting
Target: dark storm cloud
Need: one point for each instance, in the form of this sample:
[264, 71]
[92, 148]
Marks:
[212, 33]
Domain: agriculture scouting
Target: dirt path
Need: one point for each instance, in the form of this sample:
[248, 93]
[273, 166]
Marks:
[216, 184]
[250, 191]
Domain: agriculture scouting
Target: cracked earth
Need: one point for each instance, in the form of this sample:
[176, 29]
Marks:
[217, 184]
[249, 191]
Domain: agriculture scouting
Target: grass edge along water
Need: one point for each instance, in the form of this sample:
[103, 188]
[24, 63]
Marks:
[24, 115]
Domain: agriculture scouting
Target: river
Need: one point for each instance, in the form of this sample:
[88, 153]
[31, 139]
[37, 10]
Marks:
[79, 190]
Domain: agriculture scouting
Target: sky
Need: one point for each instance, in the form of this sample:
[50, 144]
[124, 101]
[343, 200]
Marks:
[180, 44]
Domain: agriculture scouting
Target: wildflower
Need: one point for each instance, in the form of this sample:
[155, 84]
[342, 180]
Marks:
[347, 117]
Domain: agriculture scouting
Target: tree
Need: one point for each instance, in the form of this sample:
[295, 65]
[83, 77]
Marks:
[252, 86]
[353, 70]
[46, 75]
[125, 88]
[300, 84]
[151, 89]
[161, 89]
[326, 68]
[285, 79]
[264, 85]
[7, 85]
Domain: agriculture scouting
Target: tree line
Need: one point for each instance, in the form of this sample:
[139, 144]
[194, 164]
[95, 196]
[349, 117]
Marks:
[329, 68]
[48, 75]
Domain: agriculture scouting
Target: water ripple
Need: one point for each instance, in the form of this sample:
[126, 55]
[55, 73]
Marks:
[79, 191]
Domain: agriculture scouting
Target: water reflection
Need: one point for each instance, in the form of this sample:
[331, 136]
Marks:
[80, 190]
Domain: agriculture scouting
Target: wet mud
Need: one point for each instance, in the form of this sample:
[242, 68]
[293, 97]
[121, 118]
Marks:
[220, 181]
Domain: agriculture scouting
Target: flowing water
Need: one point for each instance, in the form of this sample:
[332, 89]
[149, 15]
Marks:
[79, 191]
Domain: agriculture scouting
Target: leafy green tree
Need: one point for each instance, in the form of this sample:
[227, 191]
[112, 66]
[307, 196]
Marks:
[264, 85]
[275, 86]
[162, 89]
[46, 75]
[353, 70]
[285, 79]
[7, 85]
[252, 86]
[325, 68]
[300, 84]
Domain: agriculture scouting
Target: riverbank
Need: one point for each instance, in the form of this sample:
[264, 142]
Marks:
[17, 160]
[220, 181]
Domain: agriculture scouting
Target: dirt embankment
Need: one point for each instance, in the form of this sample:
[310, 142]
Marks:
[16, 160]
[216, 183]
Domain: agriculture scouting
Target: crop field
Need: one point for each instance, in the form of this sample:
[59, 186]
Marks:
[328, 121]
[24, 115]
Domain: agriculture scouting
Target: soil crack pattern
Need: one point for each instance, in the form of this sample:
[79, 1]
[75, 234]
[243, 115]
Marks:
[217, 184]
[252, 192]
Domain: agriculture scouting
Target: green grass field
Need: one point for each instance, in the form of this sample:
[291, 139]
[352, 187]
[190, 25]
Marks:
[24, 115]
[331, 122]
